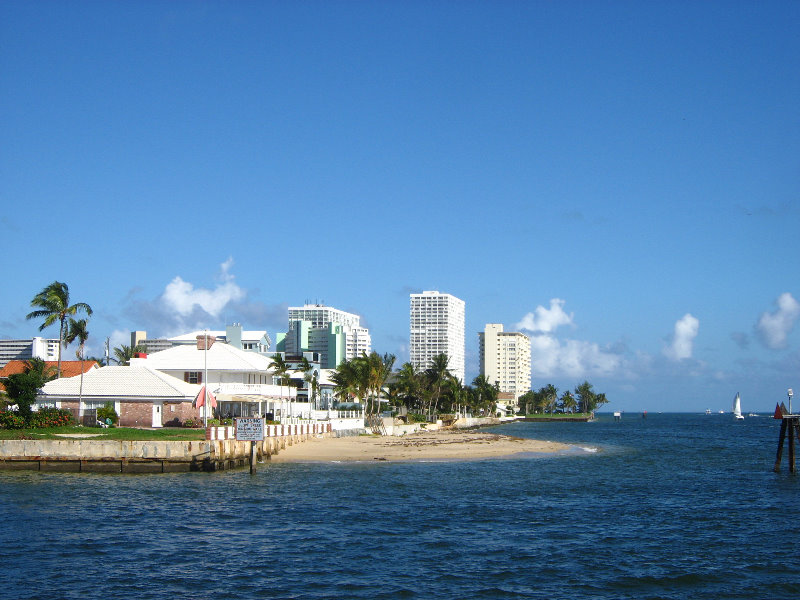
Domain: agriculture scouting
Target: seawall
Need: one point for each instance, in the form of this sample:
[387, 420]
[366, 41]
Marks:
[116, 456]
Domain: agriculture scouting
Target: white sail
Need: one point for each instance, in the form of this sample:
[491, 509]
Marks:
[737, 407]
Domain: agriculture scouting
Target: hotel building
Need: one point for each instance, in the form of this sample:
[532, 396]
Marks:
[437, 326]
[505, 358]
[37, 347]
[334, 334]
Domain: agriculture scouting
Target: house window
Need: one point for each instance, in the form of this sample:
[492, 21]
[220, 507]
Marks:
[193, 377]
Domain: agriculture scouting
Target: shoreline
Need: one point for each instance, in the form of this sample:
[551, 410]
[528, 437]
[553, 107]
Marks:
[438, 446]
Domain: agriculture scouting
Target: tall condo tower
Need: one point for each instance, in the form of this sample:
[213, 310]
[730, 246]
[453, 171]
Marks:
[505, 359]
[437, 326]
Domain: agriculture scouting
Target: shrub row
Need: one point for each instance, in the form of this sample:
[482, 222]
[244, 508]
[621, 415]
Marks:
[43, 418]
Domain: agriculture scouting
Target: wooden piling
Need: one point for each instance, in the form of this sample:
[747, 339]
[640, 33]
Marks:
[790, 425]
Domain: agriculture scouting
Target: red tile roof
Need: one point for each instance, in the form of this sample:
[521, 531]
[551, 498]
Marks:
[69, 368]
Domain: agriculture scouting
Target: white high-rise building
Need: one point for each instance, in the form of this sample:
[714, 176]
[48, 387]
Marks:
[505, 358]
[437, 326]
[46, 349]
[357, 338]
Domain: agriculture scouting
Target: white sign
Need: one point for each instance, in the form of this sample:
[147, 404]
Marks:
[249, 429]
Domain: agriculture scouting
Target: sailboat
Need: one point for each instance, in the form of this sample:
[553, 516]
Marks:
[737, 407]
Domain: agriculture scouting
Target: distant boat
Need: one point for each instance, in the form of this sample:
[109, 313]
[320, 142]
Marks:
[708, 411]
[737, 407]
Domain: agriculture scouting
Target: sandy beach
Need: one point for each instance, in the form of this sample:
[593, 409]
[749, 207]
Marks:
[435, 445]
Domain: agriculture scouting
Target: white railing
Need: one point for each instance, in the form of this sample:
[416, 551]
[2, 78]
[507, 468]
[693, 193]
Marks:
[258, 389]
[327, 415]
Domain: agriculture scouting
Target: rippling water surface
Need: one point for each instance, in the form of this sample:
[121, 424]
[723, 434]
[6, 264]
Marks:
[674, 506]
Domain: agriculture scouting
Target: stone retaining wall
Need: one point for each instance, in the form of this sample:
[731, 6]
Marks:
[144, 456]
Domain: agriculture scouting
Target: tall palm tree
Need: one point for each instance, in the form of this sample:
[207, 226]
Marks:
[486, 393]
[408, 384]
[437, 374]
[568, 402]
[77, 331]
[378, 369]
[585, 397]
[280, 369]
[307, 369]
[551, 393]
[53, 306]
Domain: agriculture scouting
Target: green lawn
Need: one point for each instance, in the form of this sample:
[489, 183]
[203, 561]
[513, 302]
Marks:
[548, 416]
[115, 433]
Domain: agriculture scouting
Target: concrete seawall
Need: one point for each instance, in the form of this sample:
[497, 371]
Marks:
[114, 456]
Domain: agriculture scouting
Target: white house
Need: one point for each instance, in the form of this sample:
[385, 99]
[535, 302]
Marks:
[142, 397]
[242, 381]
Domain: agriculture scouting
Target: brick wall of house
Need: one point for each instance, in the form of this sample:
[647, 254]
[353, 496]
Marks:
[140, 414]
[175, 414]
[135, 414]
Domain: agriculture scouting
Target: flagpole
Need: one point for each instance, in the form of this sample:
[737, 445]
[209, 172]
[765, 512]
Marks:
[205, 378]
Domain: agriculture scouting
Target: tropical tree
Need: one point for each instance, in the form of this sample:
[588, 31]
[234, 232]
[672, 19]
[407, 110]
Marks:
[485, 394]
[378, 368]
[77, 331]
[568, 402]
[53, 306]
[437, 374]
[345, 382]
[280, 369]
[455, 394]
[23, 387]
[123, 354]
[585, 396]
[550, 393]
[409, 384]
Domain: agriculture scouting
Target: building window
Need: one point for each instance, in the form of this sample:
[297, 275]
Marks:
[193, 377]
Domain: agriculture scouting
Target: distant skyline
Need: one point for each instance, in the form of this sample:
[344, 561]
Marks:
[618, 180]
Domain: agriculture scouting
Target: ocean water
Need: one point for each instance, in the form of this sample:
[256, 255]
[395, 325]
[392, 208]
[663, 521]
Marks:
[671, 507]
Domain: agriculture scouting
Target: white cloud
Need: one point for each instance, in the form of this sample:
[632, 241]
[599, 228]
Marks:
[546, 320]
[575, 358]
[773, 328]
[182, 297]
[682, 343]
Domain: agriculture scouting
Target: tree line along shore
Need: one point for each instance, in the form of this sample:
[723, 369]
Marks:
[368, 381]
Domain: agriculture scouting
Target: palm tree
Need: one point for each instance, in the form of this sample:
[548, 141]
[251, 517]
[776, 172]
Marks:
[486, 393]
[40, 368]
[437, 374]
[311, 377]
[585, 396]
[124, 354]
[77, 331]
[568, 402]
[456, 392]
[378, 369]
[281, 371]
[409, 384]
[53, 305]
[551, 393]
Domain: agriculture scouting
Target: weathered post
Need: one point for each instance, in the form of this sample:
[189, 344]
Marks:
[777, 467]
[252, 430]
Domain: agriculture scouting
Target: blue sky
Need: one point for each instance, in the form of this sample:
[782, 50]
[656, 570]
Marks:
[620, 180]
